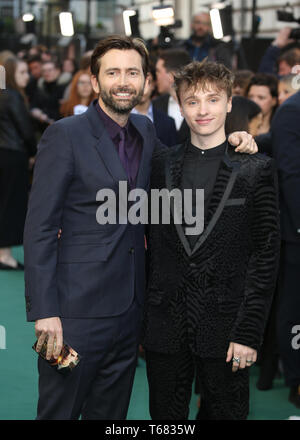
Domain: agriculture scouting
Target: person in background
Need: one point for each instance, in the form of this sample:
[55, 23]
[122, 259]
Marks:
[35, 68]
[245, 115]
[286, 87]
[164, 125]
[69, 65]
[17, 143]
[168, 63]
[81, 95]
[281, 55]
[287, 61]
[241, 81]
[202, 44]
[263, 90]
[46, 101]
[285, 131]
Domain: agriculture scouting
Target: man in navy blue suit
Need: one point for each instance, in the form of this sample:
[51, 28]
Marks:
[285, 133]
[87, 287]
[164, 125]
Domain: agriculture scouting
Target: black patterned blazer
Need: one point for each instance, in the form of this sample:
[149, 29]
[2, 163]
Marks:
[221, 290]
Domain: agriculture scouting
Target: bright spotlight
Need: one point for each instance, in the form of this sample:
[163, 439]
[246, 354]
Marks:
[66, 24]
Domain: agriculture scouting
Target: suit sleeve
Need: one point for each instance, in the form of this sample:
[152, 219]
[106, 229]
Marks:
[52, 176]
[262, 269]
[286, 142]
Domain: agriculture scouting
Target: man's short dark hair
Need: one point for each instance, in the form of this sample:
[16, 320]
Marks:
[34, 59]
[120, 43]
[203, 74]
[264, 79]
[175, 59]
[291, 57]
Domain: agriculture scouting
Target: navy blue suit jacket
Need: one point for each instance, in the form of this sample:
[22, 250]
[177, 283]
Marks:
[93, 270]
[285, 130]
[165, 128]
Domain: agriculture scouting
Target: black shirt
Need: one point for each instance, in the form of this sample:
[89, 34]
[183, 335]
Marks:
[200, 169]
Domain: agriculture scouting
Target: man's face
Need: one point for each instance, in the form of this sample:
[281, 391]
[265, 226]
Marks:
[49, 72]
[164, 79]
[35, 69]
[120, 82]
[205, 110]
[201, 25]
[284, 68]
[149, 89]
[284, 91]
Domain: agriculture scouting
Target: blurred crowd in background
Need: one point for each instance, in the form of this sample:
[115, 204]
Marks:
[42, 88]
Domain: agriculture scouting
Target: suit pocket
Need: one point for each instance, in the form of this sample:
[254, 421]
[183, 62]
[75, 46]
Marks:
[235, 202]
[82, 253]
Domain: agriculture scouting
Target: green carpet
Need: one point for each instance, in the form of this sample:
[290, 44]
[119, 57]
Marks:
[18, 371]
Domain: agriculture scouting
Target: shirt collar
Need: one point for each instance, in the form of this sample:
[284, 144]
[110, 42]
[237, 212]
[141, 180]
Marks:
[149, 113]
[219, 150]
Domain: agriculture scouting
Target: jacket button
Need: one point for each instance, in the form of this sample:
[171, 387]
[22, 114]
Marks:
[131, 250]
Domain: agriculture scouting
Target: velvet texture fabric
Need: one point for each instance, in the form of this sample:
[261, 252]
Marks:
[221, 290]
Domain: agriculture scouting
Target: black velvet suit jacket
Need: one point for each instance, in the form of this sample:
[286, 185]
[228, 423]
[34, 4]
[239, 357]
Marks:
[221, 290]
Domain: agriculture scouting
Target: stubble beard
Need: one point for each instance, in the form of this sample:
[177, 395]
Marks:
[119, 108]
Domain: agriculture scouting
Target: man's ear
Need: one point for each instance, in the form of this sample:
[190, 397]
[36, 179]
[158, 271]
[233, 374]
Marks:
[95, 84]
[229, 105]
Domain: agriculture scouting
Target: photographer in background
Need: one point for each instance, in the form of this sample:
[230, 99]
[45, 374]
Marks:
[202, 44]
[281, 55]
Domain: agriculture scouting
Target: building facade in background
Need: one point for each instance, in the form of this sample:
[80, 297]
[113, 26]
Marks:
[106, 15]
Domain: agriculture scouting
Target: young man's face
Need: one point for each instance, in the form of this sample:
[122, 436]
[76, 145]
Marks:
[120, 81]
[205, 110]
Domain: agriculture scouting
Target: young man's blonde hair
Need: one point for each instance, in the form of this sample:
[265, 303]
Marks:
[204, 74]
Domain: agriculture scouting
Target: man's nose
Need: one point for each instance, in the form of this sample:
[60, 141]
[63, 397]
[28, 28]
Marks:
[123, 79]
[202, 108]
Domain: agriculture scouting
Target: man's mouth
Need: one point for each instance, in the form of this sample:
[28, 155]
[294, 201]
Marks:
[203, 121]
[123, 95]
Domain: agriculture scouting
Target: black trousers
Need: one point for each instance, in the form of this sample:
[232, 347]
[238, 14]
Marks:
[224, 394]
[289, 313]
[100, 386]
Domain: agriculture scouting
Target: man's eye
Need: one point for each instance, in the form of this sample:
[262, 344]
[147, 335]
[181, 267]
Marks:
[133, 73]
[192, 103]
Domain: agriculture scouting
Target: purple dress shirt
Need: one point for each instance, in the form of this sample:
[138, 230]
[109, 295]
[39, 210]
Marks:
[128, 142]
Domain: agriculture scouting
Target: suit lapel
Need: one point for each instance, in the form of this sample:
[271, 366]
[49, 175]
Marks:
[223, 186]
[143, 176]
[109, 154]
[173, 173]
[105, 146]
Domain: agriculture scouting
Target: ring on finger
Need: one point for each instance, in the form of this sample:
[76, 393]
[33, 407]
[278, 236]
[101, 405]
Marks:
[236, 359]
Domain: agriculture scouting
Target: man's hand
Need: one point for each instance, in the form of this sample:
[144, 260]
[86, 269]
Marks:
[244, 142]
[282, 38]
[51, 329]
[241, 355]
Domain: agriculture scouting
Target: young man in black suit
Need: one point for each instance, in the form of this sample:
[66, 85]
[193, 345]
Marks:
[209, 294]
